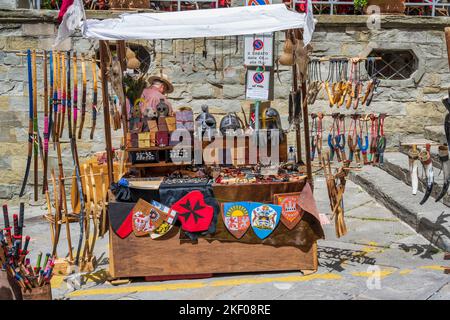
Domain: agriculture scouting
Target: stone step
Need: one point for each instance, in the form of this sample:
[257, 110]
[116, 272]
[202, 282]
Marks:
[420, 139]
[397, 165]
[430, 220]
[435, 133]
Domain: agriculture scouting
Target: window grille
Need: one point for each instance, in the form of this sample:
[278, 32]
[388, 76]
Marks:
[394, 64]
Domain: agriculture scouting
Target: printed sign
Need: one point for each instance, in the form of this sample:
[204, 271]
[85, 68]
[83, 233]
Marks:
[258, 85]
[258, 50]
[257, 2]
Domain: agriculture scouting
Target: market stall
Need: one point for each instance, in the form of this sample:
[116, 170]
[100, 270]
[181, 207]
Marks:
[178, 216]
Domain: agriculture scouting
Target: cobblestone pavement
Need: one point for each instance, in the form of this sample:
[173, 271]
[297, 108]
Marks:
[380, 258]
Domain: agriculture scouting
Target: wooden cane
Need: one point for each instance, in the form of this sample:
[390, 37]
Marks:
[94, 211]
[88, 209]
[104, 194]
[57, 226]
[46, 126]
[64, 93]
[66, 217]
[83, 96]
[35, 126]
[94, 96]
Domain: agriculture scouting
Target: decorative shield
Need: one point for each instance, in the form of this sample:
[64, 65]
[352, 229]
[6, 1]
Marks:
[194, 214]
[146, 218]
[236, 217]
[291, 212]
[170, 218]
[264, 218]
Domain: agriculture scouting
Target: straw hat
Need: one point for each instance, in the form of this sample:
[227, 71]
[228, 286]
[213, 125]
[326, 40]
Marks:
[164, 79]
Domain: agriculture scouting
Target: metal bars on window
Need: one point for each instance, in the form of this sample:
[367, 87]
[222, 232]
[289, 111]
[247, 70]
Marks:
[427, 7]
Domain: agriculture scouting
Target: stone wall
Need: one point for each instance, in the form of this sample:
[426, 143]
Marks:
[411, 104]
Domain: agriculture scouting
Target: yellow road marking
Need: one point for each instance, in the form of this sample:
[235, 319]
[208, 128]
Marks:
[406, 271]
[201, 284]
[438, 268]
[383, 273]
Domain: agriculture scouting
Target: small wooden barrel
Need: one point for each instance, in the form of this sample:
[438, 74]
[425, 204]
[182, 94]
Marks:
[41, 293]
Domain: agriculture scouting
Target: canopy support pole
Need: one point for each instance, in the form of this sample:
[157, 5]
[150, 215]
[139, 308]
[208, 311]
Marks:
[106, 116]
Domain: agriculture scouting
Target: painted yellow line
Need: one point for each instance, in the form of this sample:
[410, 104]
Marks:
[201, 284]
[404, 272]
[383, 273]
[435, 267]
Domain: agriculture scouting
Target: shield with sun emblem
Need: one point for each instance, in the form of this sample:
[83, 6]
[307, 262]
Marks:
[291, 212]
[264, 219]
[236, 217]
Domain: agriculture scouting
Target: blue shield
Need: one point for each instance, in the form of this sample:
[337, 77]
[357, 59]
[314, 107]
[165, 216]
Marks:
[264, 218]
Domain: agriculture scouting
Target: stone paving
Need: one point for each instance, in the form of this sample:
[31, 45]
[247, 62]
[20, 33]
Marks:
[380, 258]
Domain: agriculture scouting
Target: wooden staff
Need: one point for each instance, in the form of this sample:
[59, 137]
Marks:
[106, 117]
[50, 214]
[30, 123]
[83, 96]
[57, 227]
[64, 94]
[104, 193]
[35, 127]
[66, 216]
[58, 91]
[88, 210]
[75, 95]
[54, 107]
[46, 126]
[69, 97]
[94, 96]
[94, 211]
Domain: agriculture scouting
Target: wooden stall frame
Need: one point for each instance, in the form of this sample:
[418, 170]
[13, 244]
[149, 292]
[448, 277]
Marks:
[306, 263]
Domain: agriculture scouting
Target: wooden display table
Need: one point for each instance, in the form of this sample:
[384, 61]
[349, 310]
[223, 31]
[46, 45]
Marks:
[173, 254]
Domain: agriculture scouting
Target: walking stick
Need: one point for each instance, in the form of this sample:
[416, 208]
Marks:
[64, 94]
[57, 226]
[46, 126]
[94, 212]
[75, 95]
[35, 128]
[51, 100]
[83, 96]
[58, 99]
[87, 225]
[69, 97]
[30, 123]
[94, 98]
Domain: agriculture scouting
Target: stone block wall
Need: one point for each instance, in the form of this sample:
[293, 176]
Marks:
[411, 104]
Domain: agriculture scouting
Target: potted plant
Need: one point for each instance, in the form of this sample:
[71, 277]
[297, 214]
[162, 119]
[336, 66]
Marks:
[386, 6]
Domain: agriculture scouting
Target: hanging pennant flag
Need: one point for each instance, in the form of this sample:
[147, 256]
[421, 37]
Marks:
[194, 214]
[264, 219]
[169, 221]
[146, 218]
[236, 217]
[291, 212]
[70, 16]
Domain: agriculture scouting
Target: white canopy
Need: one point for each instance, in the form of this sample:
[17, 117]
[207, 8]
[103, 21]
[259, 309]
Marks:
[197, 23]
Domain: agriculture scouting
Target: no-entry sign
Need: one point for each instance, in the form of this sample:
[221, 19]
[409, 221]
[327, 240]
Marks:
[258, 85]
[259, 50]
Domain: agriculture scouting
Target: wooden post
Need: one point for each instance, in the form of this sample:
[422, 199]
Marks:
[106, 117]
[447, 38]
[306, 128]
[121, 52]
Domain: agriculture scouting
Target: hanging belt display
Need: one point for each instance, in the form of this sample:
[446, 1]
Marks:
[373, 137]
[352, 139]
[340, 142]
[381, 140]
[363, 147]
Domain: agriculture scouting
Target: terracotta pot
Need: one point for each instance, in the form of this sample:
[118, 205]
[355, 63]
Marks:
[391, 7]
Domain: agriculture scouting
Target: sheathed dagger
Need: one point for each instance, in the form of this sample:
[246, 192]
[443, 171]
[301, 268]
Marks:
[425, 158]
[443, 157]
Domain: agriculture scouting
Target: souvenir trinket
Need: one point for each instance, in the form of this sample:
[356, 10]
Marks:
[194, 214]
[264, 219]
[236, 217]
[291, 212]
